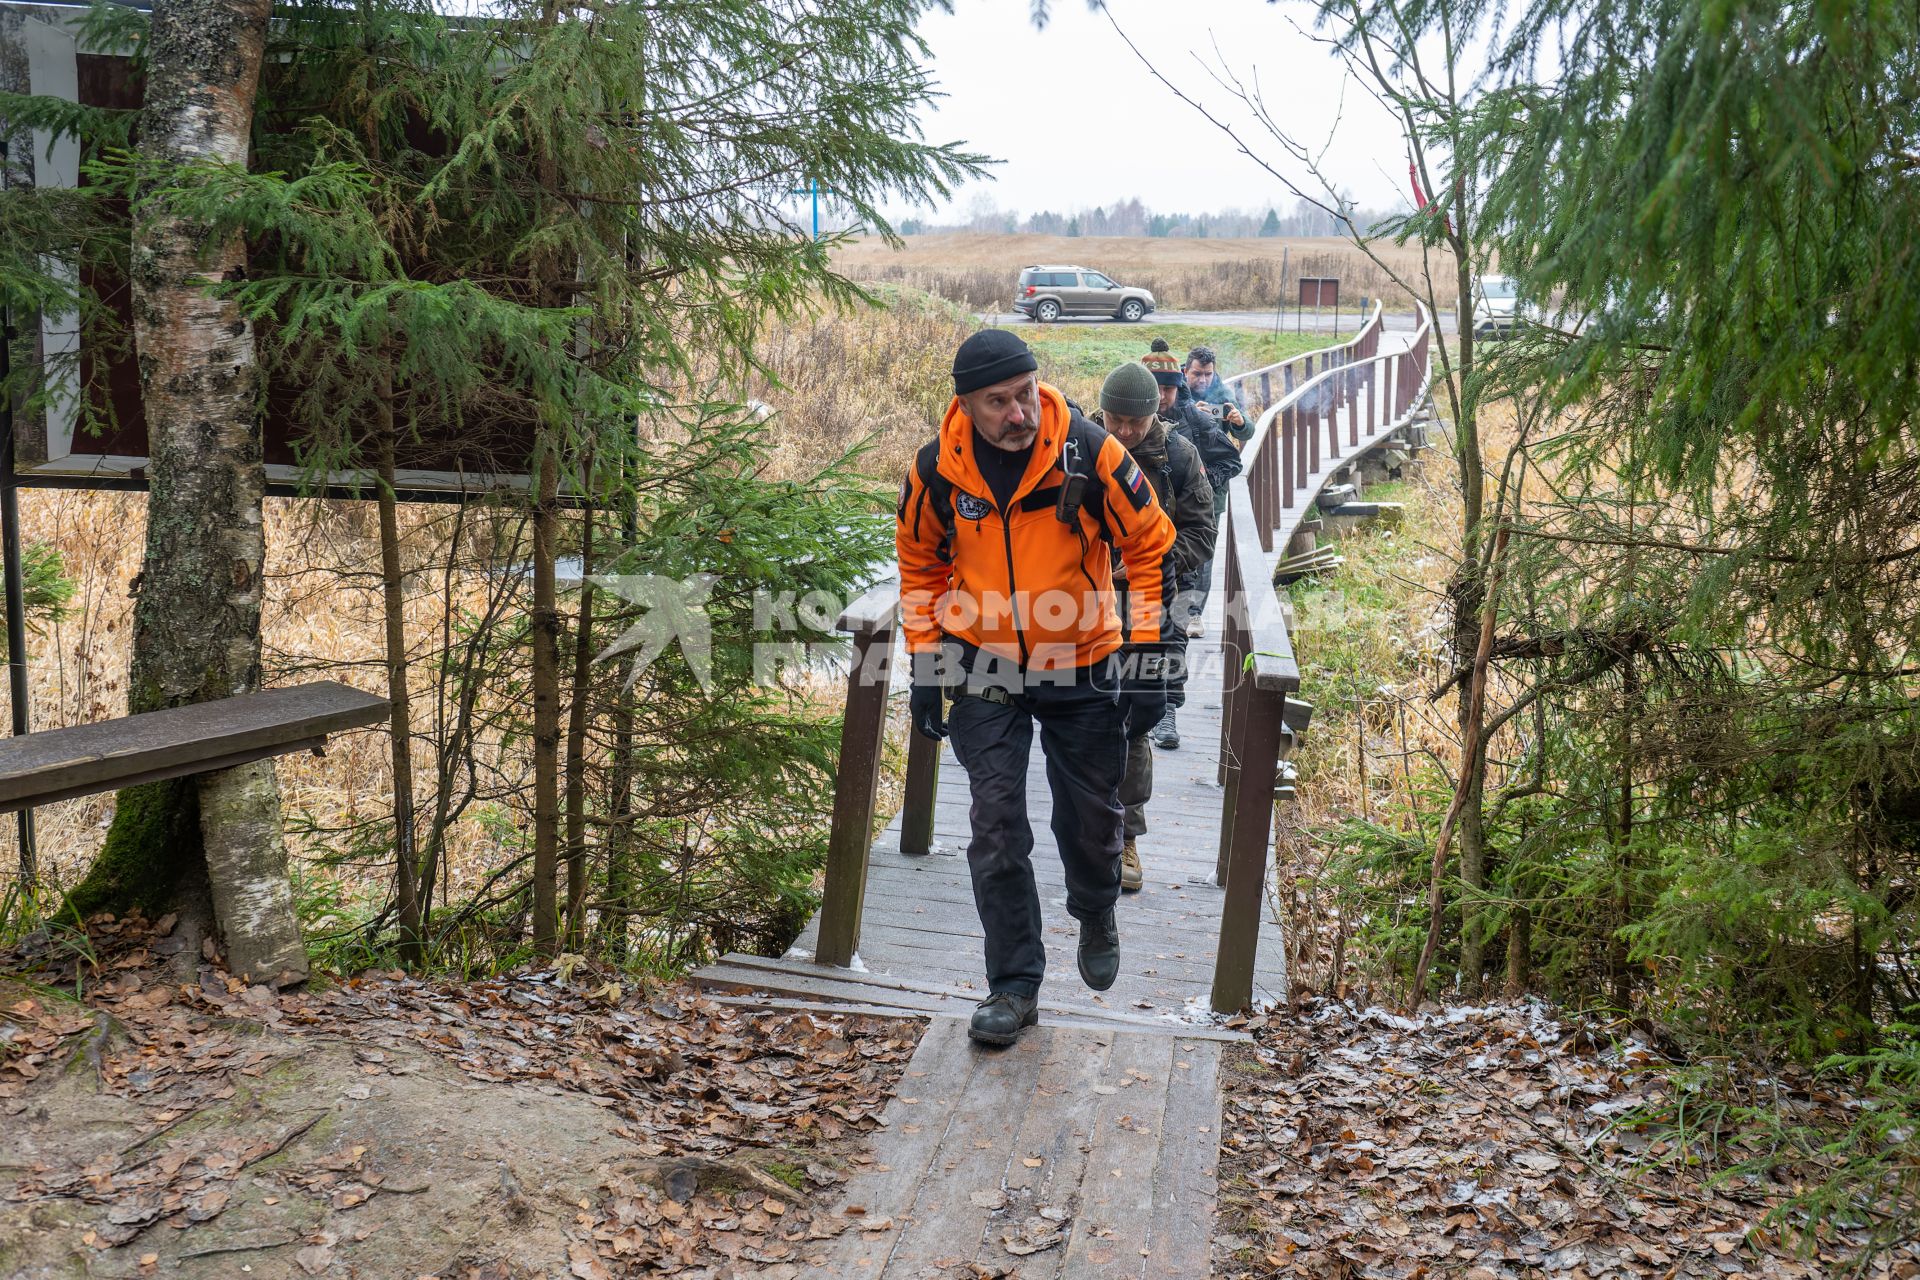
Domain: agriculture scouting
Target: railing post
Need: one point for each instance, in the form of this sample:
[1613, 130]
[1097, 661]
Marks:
[1302, 433]
[1232, 647]
[923, 779]
[1266, 389]
[1352, 378]
[1273, 478]
[857, 782]
[1313, 442]
[1286, 459]
[1247, 832]
[1262, 508]
[1333, 438]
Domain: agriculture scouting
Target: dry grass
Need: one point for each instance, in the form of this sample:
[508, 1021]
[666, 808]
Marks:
[1183, 274]
[321, 619]
[874, 377]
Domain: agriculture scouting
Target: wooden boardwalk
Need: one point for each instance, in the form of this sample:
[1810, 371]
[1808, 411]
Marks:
[1088, 1148]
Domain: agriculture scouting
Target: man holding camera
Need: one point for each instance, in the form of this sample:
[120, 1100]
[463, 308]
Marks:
[1008, 606]
[1212, 392]
[1207, 394]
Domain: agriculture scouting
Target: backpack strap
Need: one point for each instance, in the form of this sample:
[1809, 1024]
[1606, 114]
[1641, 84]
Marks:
[938, 491]
[1090, 437]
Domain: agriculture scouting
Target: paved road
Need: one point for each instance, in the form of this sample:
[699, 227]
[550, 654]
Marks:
[1396, 321]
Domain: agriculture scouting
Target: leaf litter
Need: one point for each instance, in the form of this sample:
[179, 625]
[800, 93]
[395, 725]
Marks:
[1492, 1143]
[726, 1123]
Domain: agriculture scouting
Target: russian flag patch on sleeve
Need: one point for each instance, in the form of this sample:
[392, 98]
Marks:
[1134, 482]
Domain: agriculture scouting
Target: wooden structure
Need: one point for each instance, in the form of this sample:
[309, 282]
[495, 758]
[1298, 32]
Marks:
[57, 764]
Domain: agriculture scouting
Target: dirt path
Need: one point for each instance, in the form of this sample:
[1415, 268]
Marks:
[514, 1127]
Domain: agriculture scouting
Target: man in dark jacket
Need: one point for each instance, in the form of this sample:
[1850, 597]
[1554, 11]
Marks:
[1217, 449]
[1129, 410]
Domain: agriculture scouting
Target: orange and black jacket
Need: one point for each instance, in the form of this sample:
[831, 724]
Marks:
[1020, 583]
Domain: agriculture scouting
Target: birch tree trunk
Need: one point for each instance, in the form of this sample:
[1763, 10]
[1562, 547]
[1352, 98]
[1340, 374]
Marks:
[196, 623]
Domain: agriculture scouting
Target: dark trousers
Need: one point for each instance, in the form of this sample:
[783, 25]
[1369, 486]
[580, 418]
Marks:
[1086, 754]
[1136, 786]
[1196, 599]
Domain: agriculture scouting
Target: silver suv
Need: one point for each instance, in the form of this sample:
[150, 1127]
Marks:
[1046, 293]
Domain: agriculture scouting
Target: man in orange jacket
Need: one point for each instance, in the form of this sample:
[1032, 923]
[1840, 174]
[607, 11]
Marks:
[1008, 605]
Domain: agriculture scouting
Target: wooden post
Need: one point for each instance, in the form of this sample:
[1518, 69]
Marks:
[858, 782]
[1286, 459]
[1352, 379]
[1313, 441]
[1263, 511]
[923, 779]
[1266, 389]
[1232, 645]
[1249, 818]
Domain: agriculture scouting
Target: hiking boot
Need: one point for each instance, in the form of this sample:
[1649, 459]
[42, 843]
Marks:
[1166, 734]
[1100, 951]
[1131, 877]
[1001, 1017]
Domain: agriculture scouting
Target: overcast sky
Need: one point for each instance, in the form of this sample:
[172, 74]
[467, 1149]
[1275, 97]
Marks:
[1079, 122]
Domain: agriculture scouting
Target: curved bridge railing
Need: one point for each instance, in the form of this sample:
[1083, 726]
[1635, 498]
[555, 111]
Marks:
[1335, 404]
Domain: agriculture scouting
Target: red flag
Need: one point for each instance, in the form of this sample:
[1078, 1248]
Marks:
[1419, 197]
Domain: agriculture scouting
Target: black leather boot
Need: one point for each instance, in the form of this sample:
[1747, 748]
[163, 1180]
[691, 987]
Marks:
[1002, 1016]
[1100, 951]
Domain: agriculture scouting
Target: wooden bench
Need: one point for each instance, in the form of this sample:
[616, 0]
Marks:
[58, 764]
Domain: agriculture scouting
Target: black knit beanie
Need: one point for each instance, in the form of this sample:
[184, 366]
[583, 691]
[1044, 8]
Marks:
[990, 356]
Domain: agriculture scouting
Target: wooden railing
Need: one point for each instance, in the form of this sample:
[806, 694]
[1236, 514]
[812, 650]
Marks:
[1286, 467]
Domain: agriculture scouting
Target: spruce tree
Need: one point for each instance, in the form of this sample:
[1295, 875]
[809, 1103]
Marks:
[558, 229]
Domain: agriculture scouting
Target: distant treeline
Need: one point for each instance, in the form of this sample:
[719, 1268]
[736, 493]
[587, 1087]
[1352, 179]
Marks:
[1133, 218]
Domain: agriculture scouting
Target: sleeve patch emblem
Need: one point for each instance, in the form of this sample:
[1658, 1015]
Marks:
[1133, 482]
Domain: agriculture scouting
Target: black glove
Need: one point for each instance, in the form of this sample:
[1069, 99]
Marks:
[1145, 670]
[927, 701]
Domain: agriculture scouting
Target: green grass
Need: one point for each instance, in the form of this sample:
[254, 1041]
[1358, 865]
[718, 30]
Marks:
[1077, 358]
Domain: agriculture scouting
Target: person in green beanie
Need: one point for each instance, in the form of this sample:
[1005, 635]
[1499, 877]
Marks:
[1130, 411]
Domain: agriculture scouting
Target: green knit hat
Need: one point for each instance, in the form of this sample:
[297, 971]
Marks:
[1130, 391]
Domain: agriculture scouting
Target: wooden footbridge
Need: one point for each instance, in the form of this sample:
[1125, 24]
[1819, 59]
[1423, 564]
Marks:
[1088, 1148]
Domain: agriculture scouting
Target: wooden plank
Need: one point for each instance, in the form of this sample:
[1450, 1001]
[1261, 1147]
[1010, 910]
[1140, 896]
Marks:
[873, 611]
[780, 1004]
[1056, 1135]
[780, 972]
[948, 1220]
[1194, 968]
[1180, 1230]
[59, 763]
[928, 1096]
[1110, 1237]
